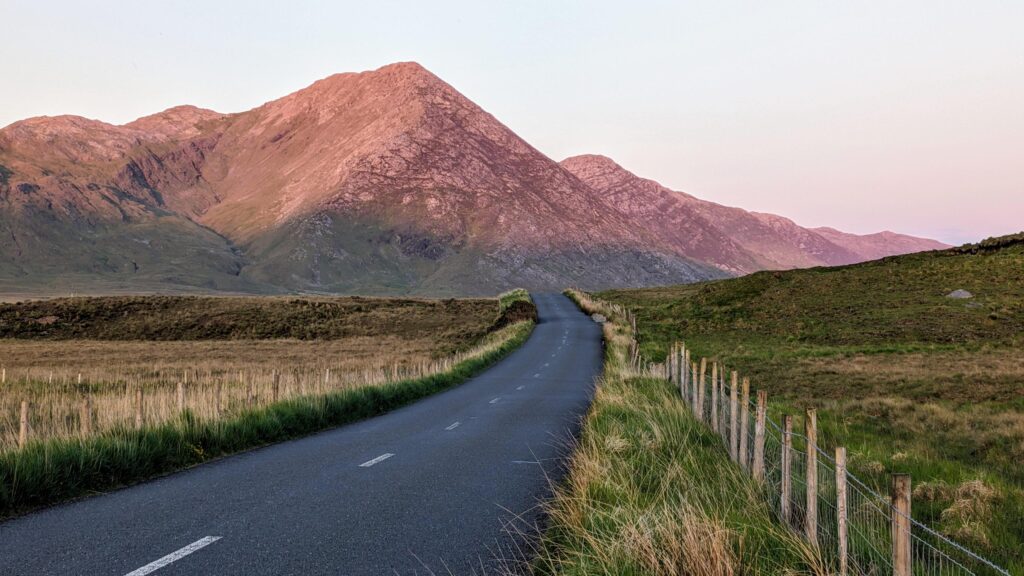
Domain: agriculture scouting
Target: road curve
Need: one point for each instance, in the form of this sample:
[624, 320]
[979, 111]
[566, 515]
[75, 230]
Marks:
[431, 488]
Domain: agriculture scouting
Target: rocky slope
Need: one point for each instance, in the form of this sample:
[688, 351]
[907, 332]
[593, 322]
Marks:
[387, 181]
[732, 238]
[880, 244]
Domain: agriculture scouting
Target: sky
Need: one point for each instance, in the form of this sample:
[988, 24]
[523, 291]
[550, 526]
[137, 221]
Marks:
[863, 116]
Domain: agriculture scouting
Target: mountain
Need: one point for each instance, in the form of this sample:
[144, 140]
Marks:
[880, 244]
[384, 182]
[732, 239]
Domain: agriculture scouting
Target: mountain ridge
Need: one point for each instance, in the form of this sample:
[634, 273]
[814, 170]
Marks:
[756, 240]
[386, 181]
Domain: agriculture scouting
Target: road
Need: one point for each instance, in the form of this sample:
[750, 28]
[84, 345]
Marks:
[442, 486]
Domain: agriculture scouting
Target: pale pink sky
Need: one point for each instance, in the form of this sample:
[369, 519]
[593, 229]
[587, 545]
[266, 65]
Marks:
[858, 115]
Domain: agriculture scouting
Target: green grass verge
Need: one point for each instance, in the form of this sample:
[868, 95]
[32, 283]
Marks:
[515, 306]
[652, 491]
[906, 378]
[45, 473]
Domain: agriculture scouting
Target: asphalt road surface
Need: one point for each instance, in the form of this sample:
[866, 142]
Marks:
[448, 485]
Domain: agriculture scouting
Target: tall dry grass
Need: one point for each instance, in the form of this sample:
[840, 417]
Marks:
[93, 387]
[652, 491]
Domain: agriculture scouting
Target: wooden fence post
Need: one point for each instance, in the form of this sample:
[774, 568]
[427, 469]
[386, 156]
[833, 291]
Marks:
[723, 399]
[744, 436]
[686, 372]
[700, 389]
[181, 396]
[841, 528]
[759, 418]
[811, 520]
[670, 363]
[138, 407]
[787, 468]
[681, 368]
[23, 425]
[86, 416]
[3, 378]
[901, 550]
[714, 397]
[693, 389]
[734, 441]
[276, 390]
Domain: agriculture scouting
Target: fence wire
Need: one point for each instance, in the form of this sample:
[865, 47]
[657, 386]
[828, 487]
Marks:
[871, 525]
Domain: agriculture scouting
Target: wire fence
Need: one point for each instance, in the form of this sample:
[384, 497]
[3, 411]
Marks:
[855, 529]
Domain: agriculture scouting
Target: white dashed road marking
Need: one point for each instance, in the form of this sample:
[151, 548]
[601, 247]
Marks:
[376, 460]
[520, 388]
[174, 556]
[495, 400]
[453, 426]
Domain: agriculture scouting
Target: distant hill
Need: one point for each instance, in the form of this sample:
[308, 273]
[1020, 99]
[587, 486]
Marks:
[732, 238]
[893, 300]
[382, 182]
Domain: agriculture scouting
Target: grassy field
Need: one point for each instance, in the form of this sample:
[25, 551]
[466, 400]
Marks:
[56, 353]
[202, 398]
[905, 377]
[652, 491]
[452, 322]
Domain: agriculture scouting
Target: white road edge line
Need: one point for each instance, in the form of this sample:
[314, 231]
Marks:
[453, 426]
[376, 460]
[174, 556]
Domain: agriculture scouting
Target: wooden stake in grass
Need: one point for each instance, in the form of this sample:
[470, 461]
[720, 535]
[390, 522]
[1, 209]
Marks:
[23, 425]
[138, 407]
[787, 468]
[86, 416]
[181, 396]
[745, 425]
[714, 397]
[218, 392]
[811, 520]
[693, 389]
[686, 372]
[3, 377]
[841, 528]
[759, 418]
[734, 402]
[276, 390]
[670, 362]
[700, 389]
[681, 369]
[901, 551]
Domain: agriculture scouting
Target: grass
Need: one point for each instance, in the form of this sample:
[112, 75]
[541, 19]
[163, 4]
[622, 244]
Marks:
[906, 378]
[652, 491]
[169, 318]
[516, 306]
[218, 411]
[358, 342]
